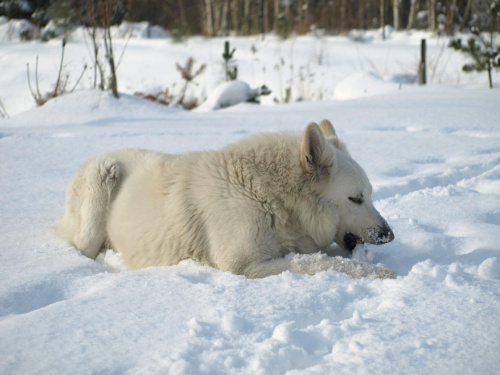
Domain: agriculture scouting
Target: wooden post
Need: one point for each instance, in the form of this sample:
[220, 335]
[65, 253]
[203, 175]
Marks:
[422, 78]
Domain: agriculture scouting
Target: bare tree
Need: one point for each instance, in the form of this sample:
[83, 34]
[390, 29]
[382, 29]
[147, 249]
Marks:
[222, 27]
[234, 16]
[209, 26]
[90, 19]
[412, 18]
[107, 9]
[246, 18]
[382, 17]
[60, 85]
[343, 15]
[431, 9]
[277, 11]
[395, 12]
[465, 19]
[450, 16]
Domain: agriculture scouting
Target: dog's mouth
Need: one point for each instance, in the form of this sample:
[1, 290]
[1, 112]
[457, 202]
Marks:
[351, 240]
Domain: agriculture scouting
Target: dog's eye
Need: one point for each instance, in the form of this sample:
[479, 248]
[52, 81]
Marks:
[356, 200]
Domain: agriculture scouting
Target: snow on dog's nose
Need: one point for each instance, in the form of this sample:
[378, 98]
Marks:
[384, 235]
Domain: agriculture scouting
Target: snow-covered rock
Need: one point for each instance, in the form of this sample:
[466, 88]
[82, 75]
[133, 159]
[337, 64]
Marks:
[16, 30]
[231, 93]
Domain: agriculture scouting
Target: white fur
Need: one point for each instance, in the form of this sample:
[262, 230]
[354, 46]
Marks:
[240, 209]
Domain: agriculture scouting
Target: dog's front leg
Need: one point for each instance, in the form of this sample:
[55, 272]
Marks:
[314, 263]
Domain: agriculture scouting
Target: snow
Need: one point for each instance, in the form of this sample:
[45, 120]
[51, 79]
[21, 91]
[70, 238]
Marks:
[432, 154]
[362, 84]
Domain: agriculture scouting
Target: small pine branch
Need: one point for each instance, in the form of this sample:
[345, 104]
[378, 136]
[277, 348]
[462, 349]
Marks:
[484, 54]
[230, 67]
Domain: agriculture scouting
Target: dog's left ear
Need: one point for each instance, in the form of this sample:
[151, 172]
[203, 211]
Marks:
[316, 156]
[331, 136]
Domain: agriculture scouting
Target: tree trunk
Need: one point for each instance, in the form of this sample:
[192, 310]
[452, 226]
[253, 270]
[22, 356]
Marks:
[234, 16]
[307, 15]
[412, 18]
[276, 14]
[182, 12]
[451, 17]
[290, 23]
[343, 15]
[432, 14]
[395, 11]
[369, 13]
[209, 26]
[361, 16]
[246, 18]
[217, 11]
[108, 42]
[382, 17]
[466, 14]
[223, 21]
[266, 17]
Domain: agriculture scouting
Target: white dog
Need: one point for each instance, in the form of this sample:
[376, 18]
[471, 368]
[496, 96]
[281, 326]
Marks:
[241, 209]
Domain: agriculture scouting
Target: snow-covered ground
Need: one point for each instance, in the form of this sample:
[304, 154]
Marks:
[432, 154]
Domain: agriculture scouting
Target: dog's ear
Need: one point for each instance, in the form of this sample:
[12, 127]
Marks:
[327, 128]
[316, 156]
[331, 136]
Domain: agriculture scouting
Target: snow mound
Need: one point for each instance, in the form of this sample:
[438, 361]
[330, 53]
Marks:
[490, 268]
[363, 84]
[16, 30]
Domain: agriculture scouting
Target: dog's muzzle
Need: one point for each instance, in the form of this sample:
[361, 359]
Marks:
[384, 235]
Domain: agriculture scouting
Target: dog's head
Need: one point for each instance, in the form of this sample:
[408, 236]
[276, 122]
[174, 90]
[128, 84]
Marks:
[347, 190]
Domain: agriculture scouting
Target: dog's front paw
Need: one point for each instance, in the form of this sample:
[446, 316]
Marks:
[382, 273]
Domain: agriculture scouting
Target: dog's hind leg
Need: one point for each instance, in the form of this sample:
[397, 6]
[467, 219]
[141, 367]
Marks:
[88, 198]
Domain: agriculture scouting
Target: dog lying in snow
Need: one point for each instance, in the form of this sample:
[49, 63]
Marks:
[240, 209]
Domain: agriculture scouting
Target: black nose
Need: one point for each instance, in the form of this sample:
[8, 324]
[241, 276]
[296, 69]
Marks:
[385, 235]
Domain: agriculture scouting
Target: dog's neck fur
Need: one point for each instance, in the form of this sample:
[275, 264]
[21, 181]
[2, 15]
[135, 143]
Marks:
[258, 168]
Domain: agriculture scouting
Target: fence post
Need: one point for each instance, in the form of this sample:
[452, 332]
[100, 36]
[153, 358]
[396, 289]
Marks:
[422, 78]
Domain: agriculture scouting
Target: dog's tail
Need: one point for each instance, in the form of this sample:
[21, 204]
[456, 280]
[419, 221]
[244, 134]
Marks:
[88, 199]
